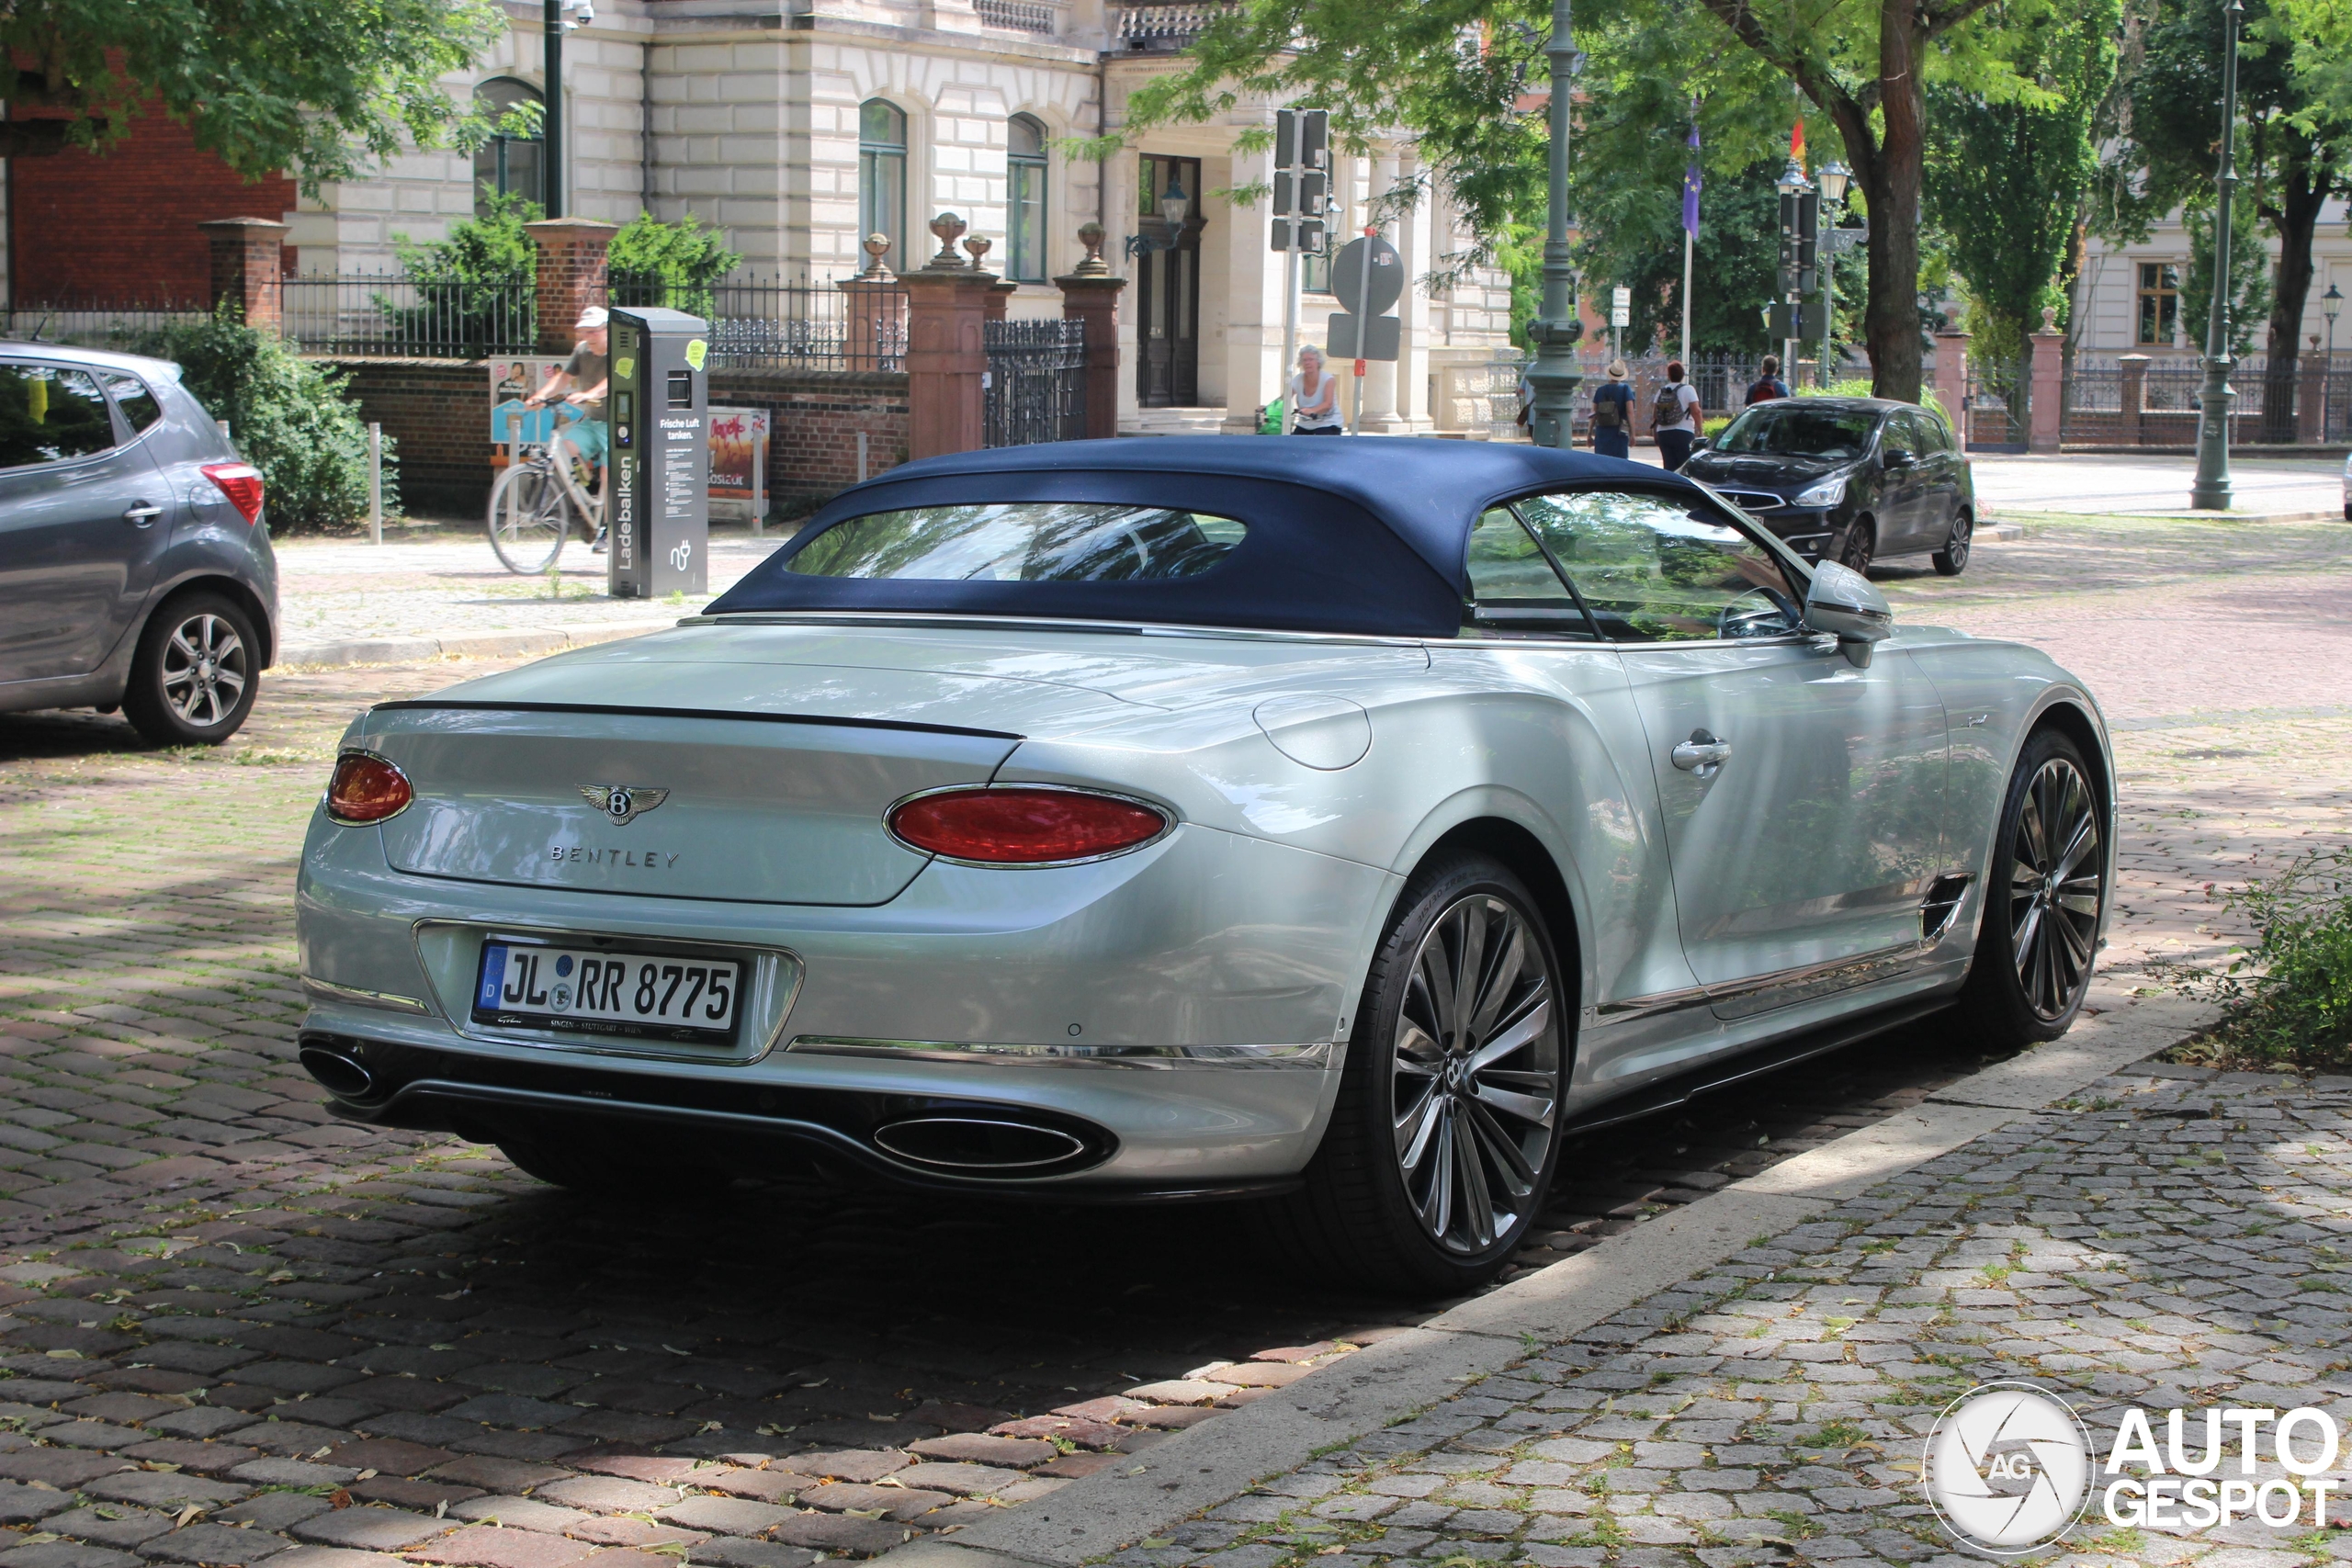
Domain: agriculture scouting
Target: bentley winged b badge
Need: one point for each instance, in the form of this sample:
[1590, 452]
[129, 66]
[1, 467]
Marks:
[623, 802]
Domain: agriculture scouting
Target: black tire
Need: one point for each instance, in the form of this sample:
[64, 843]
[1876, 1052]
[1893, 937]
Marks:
[2037, 937]
[584, 1160]
[1953, 559]
[194, 673]
[529, 519]
[1370, 1212]
[1856, 549]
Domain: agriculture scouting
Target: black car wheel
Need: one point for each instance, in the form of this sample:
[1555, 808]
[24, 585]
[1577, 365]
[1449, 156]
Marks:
[1860, 541]
[196, 672]
[2039, 933]
[1443, 1144]
[1953, 559]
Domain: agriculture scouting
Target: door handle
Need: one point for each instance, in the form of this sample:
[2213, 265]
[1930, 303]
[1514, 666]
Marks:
[142, 514]
[1701, 754]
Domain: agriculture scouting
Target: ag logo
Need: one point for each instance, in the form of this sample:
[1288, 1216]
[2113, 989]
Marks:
[2008, 1468]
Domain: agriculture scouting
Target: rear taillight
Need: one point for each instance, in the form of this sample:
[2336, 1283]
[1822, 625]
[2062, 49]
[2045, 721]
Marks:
[365, 789]
[240, 482]
[1025, 826]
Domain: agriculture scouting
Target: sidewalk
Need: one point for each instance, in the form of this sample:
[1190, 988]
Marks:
[2130, 484]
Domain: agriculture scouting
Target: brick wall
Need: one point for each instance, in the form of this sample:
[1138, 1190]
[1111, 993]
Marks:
[818, 416]
[121, 227]
[438, 410]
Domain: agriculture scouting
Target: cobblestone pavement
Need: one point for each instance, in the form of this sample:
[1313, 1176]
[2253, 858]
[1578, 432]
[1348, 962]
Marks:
[225, 1317]
[2167, 1238]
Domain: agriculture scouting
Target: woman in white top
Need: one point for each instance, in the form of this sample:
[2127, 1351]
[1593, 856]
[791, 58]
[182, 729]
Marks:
[1675, 435]
[1314, 396]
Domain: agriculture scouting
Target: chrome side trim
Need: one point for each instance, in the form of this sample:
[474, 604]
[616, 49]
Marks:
[1156, 1057]
[1855, 968]
[327, 990]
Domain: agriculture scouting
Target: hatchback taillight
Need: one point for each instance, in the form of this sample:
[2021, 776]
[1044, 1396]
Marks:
[240, 482]
[1025, 826]
[365, 789]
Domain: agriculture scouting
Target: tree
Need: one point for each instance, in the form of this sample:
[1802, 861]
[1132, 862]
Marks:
[1636, 240]
[319, 87]
[675, 264]
[2251, 294]
[1457, 73]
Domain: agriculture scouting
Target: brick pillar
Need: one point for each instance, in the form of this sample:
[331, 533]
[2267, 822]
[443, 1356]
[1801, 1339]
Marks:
[2133, 370]
[946, 302]
[1951, 380]
[2049, 390]
[2310, 382]
[875, 309]
[1090, 294]
[571, 274]
[994, 309]
[249, 267]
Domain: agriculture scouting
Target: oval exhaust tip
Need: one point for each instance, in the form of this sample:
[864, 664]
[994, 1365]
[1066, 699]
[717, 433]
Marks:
[976, 1144]
[339, 1074]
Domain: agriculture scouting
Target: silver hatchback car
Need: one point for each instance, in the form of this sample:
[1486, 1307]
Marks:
[135, 562]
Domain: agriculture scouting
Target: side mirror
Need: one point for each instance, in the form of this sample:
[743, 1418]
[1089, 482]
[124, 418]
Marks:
[1898, 458]
[1842, 603]
[1703, 442]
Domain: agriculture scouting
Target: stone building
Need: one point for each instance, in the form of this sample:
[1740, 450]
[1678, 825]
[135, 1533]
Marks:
[798, 126]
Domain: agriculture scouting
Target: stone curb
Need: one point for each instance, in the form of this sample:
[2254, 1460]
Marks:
[470, 645]
[1385, 1382]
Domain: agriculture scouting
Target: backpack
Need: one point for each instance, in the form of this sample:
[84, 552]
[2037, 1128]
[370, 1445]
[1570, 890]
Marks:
[1608, 414]
[1667, 411]
[1765, 390]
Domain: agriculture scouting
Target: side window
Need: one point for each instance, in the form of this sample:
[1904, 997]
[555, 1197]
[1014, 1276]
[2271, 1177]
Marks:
[1513, 588]
[138, 404]
[1899, 435]
[48, 415]
[1663, 568]
[1936, 435]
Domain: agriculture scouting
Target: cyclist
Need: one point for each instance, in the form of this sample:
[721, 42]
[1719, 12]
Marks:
[587, 372]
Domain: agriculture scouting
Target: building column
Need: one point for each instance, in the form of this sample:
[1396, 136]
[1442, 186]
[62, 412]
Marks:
[249, 268]
[1952, 381]
[571, 274]
[1253, 304]
[2133, 369]
[2049, 373]
[1380, 375]
[946, 353]
[1090, 294]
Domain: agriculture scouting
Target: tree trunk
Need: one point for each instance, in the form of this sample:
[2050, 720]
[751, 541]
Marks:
[2295, 215]
[1891, 320]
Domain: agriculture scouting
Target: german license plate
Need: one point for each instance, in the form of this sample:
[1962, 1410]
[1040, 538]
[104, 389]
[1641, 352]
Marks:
[605, 991]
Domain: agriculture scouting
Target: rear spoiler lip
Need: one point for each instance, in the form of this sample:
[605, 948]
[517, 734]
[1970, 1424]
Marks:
[431, 704]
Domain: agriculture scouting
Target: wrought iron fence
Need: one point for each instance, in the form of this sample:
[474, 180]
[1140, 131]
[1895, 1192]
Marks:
[1035, 386]
[2134, 401]
[772, 323]
[391, 314]
[1997, 416]
[93, 325]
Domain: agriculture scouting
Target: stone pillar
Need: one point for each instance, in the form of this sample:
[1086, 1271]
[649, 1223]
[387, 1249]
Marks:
[875, 312]
[1951, 380]
[2311, 384]
[2133, 373]
[946, 303]
[2049, 386]
[571, 274]
[249, 268]
[1090, 294]
[1380, 375]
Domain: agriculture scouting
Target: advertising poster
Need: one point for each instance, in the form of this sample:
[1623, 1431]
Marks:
[739, 463]
[513, 378]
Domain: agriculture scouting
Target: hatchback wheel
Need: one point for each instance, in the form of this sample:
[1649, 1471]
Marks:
[1953, 559]
[1861, 539]
[2039, 933]
[1443, 1144]
[196, 672]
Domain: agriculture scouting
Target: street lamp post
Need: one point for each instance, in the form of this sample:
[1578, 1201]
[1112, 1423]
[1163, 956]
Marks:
[1833, 179]
[1552, 379]
[2212, 490]
[1795, 190]
[2331, 304]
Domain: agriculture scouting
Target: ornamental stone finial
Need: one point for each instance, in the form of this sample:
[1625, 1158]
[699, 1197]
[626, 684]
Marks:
[1089, 234]
[877, 246]
[948, 229]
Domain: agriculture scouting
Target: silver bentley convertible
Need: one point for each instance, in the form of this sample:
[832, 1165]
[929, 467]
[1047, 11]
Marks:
[1335, 825]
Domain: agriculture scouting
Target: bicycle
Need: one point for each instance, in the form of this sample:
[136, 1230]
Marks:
[537, 504]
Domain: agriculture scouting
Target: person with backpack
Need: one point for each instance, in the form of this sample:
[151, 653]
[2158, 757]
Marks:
[1769, 385]
[1613, 414]
[1674, 419]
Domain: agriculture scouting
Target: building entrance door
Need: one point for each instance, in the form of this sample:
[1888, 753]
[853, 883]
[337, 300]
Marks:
[1167, 292]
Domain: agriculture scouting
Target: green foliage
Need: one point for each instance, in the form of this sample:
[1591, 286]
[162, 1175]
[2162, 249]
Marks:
[670, 264]
[289, 416]
[2250, 293]
[493, 248]
[324, 88]
[2288, 999]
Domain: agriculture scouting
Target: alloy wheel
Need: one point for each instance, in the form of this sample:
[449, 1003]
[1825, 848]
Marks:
[204, 670]
[1963, 531]
[1476, 1092]
[2057, 881]
[1858, 550]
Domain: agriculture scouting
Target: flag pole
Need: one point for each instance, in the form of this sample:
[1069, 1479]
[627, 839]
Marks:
[1686, 299]
[1691, 182]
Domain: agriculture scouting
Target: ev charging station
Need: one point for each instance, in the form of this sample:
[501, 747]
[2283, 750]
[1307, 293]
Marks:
[660, 409]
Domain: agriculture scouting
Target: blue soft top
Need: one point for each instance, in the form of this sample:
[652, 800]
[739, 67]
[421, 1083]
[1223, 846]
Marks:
[1364, 534]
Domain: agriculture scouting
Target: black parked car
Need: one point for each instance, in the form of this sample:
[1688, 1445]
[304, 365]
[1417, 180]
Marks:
[1850, 479]
[135, 565]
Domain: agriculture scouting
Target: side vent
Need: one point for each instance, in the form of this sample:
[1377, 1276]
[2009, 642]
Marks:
[1943, 902]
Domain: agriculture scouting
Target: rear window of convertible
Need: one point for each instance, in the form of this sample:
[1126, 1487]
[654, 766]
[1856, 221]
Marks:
[1023, 541]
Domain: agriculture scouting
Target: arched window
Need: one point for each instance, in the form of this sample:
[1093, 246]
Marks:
[1024, 200]
[507, 164]
[882, 178]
